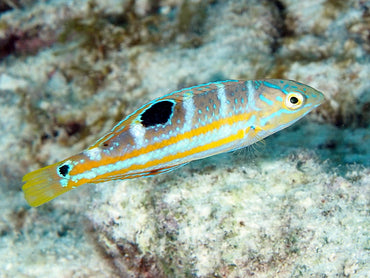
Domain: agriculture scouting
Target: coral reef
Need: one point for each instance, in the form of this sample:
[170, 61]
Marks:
[297, 207]
[237, 220]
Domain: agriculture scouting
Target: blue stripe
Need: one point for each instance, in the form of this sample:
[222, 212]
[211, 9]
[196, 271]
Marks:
[264, 99]
[263, 121]
[270, 85]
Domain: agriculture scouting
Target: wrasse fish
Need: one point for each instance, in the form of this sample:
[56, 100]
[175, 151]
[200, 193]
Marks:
[182, 126]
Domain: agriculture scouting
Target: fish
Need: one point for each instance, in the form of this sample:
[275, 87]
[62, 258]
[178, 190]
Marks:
[182, 126]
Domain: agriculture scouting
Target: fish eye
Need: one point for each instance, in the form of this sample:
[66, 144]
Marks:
[294, 100]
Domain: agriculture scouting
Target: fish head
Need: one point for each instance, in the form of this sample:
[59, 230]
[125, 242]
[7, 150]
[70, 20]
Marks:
[281, 103]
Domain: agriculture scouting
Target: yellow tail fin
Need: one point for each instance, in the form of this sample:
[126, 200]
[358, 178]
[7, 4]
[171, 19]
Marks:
[43, 185]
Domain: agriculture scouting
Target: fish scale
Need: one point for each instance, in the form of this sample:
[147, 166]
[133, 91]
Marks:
[172, 130]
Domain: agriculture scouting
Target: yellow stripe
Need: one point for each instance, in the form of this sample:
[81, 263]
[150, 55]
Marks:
[239, 135]
[81, 168]
[170, 157]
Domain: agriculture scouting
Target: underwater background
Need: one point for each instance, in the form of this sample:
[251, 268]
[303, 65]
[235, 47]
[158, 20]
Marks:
[294, 205]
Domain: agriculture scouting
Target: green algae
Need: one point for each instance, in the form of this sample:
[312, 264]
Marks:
[100, 34]
[93, 33]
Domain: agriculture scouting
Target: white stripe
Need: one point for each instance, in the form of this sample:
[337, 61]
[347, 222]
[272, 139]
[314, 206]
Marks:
[93, 154]
[221, 95]
[251, 96]
[138, 133]
[188, 104]
[250, 93]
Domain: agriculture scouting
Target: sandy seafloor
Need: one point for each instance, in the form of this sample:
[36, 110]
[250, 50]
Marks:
[296, 205]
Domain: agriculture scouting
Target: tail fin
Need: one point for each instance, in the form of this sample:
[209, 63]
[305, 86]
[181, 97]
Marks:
[43, 185]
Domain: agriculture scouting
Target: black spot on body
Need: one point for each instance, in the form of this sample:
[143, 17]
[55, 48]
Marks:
[158, 113]
[64, 170]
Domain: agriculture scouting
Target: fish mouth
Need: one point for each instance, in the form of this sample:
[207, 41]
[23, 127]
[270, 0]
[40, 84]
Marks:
[322, 99]
[318, 99]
